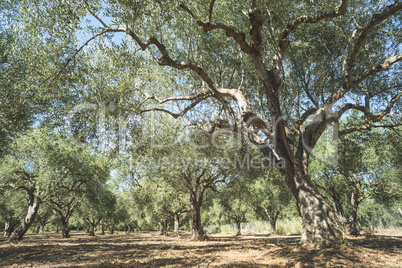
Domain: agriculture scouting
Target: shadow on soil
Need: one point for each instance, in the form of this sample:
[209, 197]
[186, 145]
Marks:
[151, 250]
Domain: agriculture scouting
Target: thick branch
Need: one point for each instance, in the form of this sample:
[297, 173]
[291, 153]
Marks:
[284, 36]
[366, 126]
[378, 68]
[237, 35]
[174, 115]
[210, 11]
[366, 111]
[359, 38]
[256, 27]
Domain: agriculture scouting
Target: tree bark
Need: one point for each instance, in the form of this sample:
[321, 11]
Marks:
[41, 228]
[102, 227]
[91, 229]
[163, 228]
[354, 224]
[65, 230]
[176, 218]
[319, 226]
[197, 230]
[33, 208]
[238, 227]
[111, 228]
[9, 226]
[272, 217]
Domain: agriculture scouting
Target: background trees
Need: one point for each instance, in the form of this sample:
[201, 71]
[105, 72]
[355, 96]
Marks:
[269, 196]
[279, 73]
[50, 171]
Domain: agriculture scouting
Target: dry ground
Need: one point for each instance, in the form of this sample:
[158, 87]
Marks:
[152, 250]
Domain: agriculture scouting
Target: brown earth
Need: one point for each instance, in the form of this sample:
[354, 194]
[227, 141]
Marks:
[152, 250]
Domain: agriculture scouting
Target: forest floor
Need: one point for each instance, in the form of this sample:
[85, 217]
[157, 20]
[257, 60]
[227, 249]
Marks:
[152, 250]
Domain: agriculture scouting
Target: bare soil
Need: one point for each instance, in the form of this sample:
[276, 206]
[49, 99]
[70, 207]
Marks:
[152, 250]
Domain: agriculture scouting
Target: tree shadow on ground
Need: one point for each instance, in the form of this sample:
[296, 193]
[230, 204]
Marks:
[152, 250]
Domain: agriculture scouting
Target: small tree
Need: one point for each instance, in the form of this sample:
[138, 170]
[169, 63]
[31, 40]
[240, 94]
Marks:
[235, 200]
[270, 196]
[98, 204]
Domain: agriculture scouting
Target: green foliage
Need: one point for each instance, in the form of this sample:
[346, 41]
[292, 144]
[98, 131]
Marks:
[271, 193]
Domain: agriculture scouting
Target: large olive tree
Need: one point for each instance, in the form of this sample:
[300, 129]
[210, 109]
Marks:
[278, 72]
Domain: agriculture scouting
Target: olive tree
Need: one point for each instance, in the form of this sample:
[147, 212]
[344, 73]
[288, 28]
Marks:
[278, 72]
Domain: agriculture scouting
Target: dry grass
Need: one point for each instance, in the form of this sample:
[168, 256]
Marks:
[152, 250]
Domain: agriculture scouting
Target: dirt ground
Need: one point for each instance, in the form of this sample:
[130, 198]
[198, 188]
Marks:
[152, 250]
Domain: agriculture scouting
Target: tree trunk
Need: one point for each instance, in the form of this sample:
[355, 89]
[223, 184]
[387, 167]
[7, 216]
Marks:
[163, 228]
[272, 221]
[319, 226]
[176, 218]
[101, 227]
[65, 230]
[91, 229]
[41, 228]
[197, 230]
[30, 217]
[354, 224]
[10, 226]
[238, 227]
[111, 230]
[340, 212]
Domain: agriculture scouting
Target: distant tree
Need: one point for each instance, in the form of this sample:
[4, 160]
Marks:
[12, 210]
[364, 170]
[49, 170]
[99, 204]
[269, 196]
[234, 199]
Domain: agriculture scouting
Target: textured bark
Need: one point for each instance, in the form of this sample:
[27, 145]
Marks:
[196, 227]
[91, 224]
[65, 230]
[354, 223]
[272, 217]
[273, 226]
[319, 226]
[9, 226]
[176, 218]
[33, 208]
[41, 228]
[101, 228]
[238, 228]
[91, 229]
[163, 228]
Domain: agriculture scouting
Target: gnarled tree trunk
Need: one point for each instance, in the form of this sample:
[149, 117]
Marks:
[176, 218]
[354, 223]
[101, 227]
[319, 226]
[272, 217]
[65, 230]
[163, 228]
[196, 227]
[33, 208]
[9, 226]
[91, 224]
[111, 228]
[238, 227]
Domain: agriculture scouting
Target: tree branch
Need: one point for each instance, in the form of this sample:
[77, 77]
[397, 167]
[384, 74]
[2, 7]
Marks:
[359, 39]
[237, 35]
[377, 68]
[284, 36]
[366, 111]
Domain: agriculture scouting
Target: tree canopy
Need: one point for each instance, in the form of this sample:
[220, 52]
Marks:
[279, 73]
